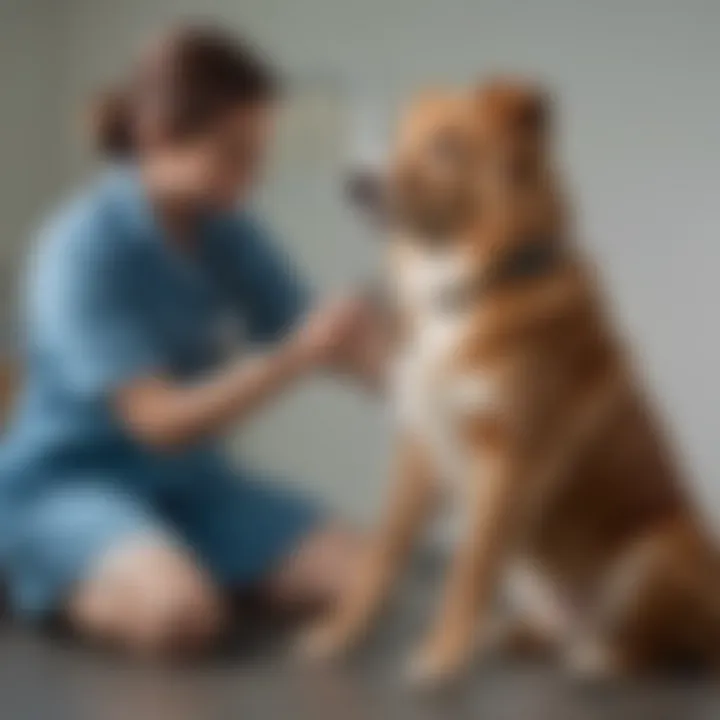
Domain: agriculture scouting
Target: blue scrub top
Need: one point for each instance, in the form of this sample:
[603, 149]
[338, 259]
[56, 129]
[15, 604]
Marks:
[108, 300]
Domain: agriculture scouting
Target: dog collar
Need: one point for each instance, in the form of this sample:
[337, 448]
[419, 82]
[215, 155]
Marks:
[534, 258]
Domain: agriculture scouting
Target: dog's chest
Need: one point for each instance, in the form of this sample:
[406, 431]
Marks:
[432, 388]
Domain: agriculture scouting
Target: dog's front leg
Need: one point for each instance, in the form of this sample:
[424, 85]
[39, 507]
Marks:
[475, 567]
[412, 500]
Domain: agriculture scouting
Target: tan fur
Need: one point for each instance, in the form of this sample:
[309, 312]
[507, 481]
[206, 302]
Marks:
[566, 470]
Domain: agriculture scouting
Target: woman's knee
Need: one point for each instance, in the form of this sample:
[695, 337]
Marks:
[149, 598]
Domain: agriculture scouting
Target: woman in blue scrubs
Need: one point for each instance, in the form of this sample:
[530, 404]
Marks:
[118, 509]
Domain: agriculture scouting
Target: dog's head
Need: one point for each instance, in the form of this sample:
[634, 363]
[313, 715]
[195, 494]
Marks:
[464, 162]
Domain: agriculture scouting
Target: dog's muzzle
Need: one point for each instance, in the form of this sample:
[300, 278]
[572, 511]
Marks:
[364, 188]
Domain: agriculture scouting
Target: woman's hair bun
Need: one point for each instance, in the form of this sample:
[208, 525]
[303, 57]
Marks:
[110, 121]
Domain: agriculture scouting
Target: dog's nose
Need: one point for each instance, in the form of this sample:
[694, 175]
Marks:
[363, 189]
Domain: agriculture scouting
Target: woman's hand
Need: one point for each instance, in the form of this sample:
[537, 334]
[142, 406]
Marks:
[361, 351]
[328, 333]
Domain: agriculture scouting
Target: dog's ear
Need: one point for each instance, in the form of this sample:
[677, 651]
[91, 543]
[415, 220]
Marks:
[515, 120]
[520, 107]
[533, 113]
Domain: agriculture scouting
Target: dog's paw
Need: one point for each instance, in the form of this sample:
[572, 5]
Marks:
[437, 665]
[323, 642]
[517, 637]
[593, 662]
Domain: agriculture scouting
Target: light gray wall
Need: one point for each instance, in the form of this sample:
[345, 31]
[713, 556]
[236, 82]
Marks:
[639, 111]
[31, 164]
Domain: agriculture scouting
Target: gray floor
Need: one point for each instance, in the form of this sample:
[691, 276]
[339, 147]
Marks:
[53, 679]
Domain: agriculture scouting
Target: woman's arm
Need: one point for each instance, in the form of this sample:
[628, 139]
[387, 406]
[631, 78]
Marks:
[270, 294]
[169, 415]
[366, 359]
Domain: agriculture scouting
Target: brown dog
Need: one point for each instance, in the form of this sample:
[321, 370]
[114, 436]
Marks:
[511, 385]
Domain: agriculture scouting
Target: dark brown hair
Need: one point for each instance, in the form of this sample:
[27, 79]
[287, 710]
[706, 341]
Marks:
[186, 80]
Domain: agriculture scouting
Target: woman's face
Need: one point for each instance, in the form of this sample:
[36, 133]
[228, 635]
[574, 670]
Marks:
[219, 166]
